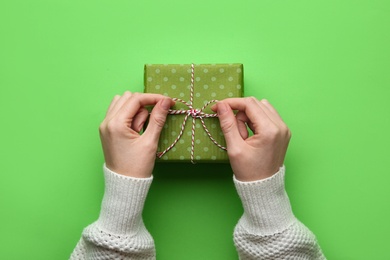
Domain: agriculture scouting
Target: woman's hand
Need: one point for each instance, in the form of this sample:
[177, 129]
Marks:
[126, 151]
[262, 154]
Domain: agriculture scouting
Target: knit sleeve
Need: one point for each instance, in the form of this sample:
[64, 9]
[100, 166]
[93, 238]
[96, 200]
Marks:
[119, 232]
[268, 228]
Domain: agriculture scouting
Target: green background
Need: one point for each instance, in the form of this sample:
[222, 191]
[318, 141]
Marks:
[323, 64]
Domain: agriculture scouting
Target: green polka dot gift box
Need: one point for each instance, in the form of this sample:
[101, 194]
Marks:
[192, 132]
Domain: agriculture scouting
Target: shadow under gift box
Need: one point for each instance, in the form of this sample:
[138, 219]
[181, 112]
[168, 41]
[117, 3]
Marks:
[210, 82]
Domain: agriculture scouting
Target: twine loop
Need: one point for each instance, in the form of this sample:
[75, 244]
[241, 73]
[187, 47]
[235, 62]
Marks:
[195, 114]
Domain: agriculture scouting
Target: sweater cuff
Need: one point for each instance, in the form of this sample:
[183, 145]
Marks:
[267, 208]
[123, 202]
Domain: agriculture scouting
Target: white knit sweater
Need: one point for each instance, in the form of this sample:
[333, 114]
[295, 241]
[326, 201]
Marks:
[267, 229]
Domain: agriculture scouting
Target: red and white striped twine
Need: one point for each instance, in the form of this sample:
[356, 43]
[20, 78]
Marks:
[194, 113]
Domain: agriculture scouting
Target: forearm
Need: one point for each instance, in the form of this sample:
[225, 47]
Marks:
[268, 229]
[119, 232]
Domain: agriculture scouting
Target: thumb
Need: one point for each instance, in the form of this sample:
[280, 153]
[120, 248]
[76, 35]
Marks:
[157, 119]
[228, 124]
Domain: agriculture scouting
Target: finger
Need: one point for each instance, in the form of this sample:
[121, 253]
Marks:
[135, 102]
[228, 124]
[242, 121]
[140, 119]
[157, 119]
[112, 104]
[271, 111]
[255, 113]
[241, 116]
[275, 116]
[118, 104]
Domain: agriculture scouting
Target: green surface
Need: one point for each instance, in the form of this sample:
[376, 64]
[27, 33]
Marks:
[211, 82]
[323, 64]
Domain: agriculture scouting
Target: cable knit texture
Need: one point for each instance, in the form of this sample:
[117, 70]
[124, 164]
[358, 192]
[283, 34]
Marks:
[119, 233]
[267, 229]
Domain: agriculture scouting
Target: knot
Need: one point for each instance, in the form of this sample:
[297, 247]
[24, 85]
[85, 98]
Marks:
[195, 113]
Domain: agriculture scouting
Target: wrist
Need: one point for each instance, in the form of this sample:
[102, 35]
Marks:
[254, 173]
[267, 208]
[123, 202]
[134, 170]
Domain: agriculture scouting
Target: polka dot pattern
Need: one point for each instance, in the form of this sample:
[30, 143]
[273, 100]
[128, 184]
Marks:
[212, 81]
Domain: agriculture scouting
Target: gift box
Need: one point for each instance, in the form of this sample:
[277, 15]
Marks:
[192, 132]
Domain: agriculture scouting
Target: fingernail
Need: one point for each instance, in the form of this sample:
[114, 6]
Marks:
[221, 109]
[214, 107]
[166, 103]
